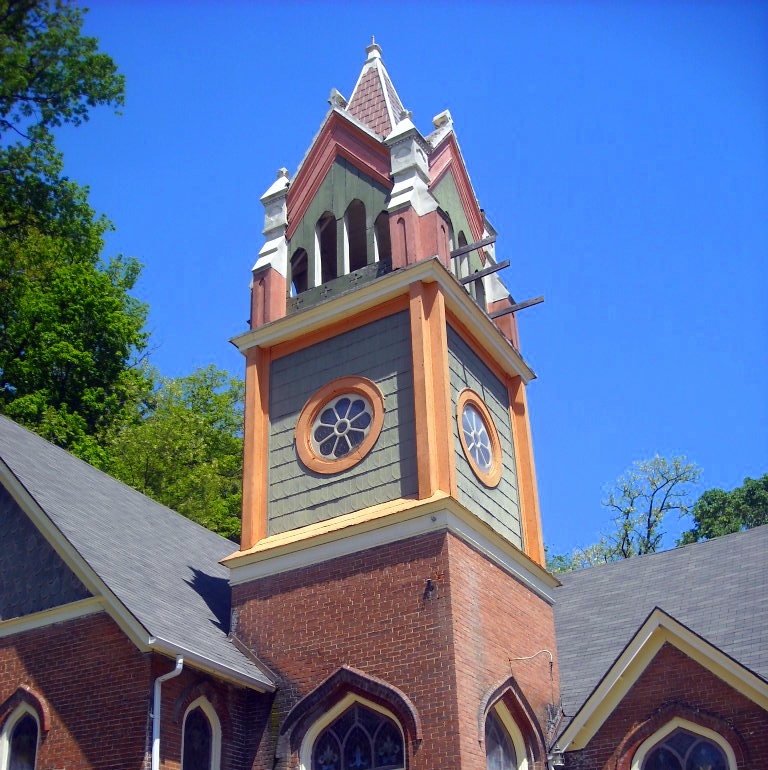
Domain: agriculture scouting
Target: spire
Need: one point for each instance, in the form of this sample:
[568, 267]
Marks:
[374, 100]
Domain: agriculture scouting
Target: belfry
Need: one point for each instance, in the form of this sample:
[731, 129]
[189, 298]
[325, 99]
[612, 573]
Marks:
[390, 513]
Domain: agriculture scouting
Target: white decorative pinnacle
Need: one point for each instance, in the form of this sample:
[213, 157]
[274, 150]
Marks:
[274, 252]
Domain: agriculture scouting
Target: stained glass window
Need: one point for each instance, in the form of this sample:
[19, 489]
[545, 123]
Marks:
[23, 744]
[359, 739]
[499, 751]
[683, 750]
[198, 741]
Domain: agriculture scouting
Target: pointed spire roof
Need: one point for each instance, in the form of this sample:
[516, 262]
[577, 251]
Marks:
[374, 100]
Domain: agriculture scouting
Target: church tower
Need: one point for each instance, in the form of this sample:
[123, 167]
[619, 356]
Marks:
[391, 569]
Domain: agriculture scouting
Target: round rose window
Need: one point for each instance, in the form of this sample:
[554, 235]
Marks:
[339, 424]
[479, 438]
[342, 425]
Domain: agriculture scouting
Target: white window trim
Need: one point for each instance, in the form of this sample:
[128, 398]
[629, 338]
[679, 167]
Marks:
[213, 719]
[5, 734]
[518, 742]
[658, 737]
[308, 742]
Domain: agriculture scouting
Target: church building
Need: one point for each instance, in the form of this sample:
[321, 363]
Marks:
[388, 607]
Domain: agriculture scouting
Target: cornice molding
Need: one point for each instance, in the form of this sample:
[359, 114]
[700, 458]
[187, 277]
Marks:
[382, 290]
[382, 525]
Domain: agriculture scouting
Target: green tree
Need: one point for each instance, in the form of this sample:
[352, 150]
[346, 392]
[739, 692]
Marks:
[70, 333]
[186, 450]
[718, 512]
[639, 501]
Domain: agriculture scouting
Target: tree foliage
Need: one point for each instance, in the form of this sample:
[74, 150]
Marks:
[70, 333]
[186, 450]
[718, 512]
[639, 501]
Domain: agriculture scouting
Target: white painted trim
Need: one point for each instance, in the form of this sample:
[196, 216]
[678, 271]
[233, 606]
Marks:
[128, 624]
[378, 292]
[677, 722]
[203, 663]
[446, 514]
[53, 615]
[308, 741]
[5, 734]
[658, 629]
[213, 720]
[502, 712]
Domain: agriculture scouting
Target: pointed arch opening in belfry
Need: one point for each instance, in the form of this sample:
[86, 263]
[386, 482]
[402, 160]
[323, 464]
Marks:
[299, 278]
[325, 247]
[382, 240]
[355, 237]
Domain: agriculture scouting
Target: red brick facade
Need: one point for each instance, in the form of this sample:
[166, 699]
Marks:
[674, 685]
[442, 648]
[95, 685]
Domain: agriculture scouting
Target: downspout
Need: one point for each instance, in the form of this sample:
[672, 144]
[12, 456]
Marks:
[156, 710]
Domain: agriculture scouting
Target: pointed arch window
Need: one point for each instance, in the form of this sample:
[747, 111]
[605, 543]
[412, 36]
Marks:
[361, 738]
[356, 238]
[382, 239]
[299, 272]
[325, 242]
[201, 739]
[684, 749]
[504, 745]
[19, 740]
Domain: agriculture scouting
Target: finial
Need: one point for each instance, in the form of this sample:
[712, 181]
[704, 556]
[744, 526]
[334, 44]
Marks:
[282, 172]
[373, 50]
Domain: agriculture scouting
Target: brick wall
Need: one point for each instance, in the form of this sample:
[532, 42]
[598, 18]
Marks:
[675, 685]
[496, 618]
[370, 611]
[96, 685]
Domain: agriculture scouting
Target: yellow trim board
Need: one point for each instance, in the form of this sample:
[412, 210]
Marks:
[658, 629]
[48, 617]
[383, 524]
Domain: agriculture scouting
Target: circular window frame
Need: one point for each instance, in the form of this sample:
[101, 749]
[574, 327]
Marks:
[317, 402]
[491, 477]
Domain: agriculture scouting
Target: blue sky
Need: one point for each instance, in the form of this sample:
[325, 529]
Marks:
[620, 150]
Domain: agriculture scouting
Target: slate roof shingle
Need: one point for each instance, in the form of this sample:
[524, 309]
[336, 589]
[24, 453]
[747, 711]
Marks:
[162, 567]
[718, 589]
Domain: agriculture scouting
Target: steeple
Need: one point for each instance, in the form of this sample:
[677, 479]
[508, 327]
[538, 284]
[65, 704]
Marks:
[374, 100]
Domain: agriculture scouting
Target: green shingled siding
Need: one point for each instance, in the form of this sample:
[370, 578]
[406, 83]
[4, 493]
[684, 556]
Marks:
[343, 184]
[380, 351]
[447, 195]
[499, 506]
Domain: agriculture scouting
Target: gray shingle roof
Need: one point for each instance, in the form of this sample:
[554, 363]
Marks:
[717, 589]
[162, 567]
